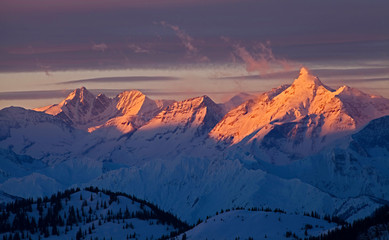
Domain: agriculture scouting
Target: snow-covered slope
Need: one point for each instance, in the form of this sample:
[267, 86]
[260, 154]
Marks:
[87, 214]
[300, 120]
[372, 137]
[181, 125]
[236, 100]
[199, 113]
[331, 183]
[41, 153]
[354, 167]
[197, 187]
[35, 135]
[6, 198]
[243, 224]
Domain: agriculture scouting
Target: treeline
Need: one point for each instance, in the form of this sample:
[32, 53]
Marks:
[312, 214]
[156, 213]
[378, 221]
[19, 221]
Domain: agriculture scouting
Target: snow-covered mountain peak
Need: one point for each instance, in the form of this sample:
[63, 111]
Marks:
[236, 100]
[306, 80]
[240, 95]
[130, 94]
[126, 112]
[130, 102]
[192, 104]
[304, 71]
[349, 91]
[81, 95]
[102, 96]
[299, 98]
[308, 114]
[132, 109]
[286, 103]
[186, 110]
[204, 101]
[80, 100]
[82, 108]
[360, 106]
[268, 96]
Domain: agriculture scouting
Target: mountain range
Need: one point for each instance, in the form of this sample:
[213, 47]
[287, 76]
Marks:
[301, 147]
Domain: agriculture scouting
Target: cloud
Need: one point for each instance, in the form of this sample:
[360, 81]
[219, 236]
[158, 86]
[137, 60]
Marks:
[365, 71]
[137, 48]
[99, 47]
[53, 94]
[274, 75]
[45, 68]
[122, 79]
[200, 22]
[328, 74]
[187, 94]
[360, 80]
[185, 38]
[27, 95]
[23, 6]
[261, 59]
[47, 49]
[187, 41]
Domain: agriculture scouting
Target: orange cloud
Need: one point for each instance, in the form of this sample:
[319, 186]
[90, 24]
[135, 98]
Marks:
[261, 59]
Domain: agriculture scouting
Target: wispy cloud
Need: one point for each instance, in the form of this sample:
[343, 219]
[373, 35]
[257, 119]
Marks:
[187, 94]
[122, 79]
[365, 71]
[187, 41]
[53, 94]
[138, 49]
[99, 47]
[328, 74]
[46, 68]
[47, 49]
[26, 95]
[360, 80]
[287, 75]
[261, 59]
[24, 6]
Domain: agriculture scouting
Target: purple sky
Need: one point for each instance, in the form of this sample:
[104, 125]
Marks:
[201, 45]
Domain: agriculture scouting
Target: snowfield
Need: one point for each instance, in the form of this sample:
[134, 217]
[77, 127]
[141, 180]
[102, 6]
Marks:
[95, 214]
[244, 224]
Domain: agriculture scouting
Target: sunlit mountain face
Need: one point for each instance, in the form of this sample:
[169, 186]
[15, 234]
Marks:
[194, 120]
